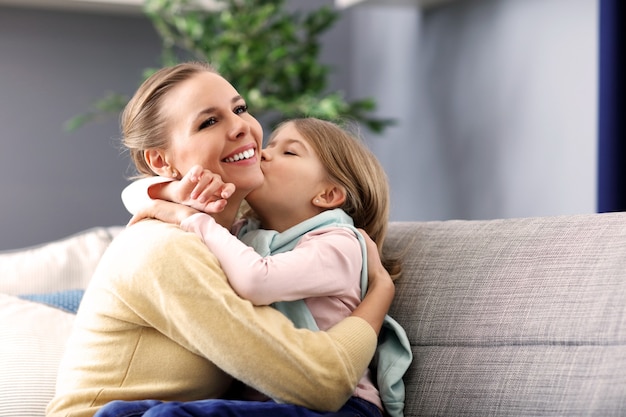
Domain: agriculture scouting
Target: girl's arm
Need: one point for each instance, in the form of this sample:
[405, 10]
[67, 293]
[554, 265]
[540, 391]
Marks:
[136, 195]
[165, 211]
[199, 188]
[239, 260]
[324, 263]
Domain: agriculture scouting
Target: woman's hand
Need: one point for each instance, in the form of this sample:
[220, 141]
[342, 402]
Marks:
[199, 188]
[165, 211]
[380, 290]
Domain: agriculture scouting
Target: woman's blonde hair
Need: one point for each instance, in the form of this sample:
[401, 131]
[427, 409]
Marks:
[352, 165]
[143, 123]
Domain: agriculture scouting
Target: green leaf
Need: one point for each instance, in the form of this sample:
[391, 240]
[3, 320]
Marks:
[269, 53]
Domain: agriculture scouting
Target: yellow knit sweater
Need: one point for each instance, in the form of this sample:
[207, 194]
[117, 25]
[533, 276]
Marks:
[159, 321]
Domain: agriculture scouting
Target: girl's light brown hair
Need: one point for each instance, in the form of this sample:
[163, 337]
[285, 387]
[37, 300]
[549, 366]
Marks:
[352, 165]
[143, 124]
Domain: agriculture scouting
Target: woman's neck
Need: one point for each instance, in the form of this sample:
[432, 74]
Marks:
[227, 217]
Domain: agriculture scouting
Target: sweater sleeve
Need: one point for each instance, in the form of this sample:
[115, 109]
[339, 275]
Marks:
[326, 262]
[186, 296]
[135, 195]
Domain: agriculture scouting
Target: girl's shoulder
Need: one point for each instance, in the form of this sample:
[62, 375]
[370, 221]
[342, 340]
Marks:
[338, 236]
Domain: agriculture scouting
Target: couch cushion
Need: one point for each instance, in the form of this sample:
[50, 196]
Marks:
[65, 264]
[33, 330]
[514, 317]
[33, 338]
[67, 300]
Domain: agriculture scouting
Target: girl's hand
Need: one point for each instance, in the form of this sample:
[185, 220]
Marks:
[380, 289]
[375, 269]
[201, 189]
[165, 211]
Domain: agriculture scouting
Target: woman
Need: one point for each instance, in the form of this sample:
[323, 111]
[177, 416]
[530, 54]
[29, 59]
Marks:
[159, 319]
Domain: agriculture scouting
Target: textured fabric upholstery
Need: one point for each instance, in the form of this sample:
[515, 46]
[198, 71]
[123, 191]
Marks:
[33, 335]
[64, 264]
[514, 317]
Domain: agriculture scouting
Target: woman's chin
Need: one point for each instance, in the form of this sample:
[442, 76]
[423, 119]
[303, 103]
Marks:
[245, 180]
[255, 196]
[248, 186]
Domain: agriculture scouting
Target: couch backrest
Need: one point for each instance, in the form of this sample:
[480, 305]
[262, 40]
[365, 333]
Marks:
[33, 334]
[514, 317]
[61, 265]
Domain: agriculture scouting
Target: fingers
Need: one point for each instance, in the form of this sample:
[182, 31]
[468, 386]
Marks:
[210, 187]
[228, 190]
[134, 220]
[203, 190]
[374, 263]
[215, 206]
[189, 183]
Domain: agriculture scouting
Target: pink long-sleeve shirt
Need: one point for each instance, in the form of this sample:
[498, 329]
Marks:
[324, 269]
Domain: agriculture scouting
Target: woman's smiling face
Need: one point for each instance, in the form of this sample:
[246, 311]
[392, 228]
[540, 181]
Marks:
[209, 125]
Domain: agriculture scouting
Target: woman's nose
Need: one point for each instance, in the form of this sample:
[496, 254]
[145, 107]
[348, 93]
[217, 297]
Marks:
[238, 128]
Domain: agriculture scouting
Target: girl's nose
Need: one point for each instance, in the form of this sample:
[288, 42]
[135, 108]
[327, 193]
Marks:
[265, 155]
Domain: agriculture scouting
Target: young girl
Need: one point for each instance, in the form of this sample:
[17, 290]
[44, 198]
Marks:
[320, 183]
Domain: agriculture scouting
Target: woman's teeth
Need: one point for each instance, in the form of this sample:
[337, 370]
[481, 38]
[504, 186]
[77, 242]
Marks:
[249, 153]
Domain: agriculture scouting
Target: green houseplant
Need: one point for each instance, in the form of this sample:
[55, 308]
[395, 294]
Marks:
[271, 55]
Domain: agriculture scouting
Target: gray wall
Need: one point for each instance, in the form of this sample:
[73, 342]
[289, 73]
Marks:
[495, 102]
[53, 65]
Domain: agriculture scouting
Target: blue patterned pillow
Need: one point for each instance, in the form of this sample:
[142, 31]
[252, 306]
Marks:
[68, 300]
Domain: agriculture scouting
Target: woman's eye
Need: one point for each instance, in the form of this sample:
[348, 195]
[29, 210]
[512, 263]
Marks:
[208, 122]
[241, 109]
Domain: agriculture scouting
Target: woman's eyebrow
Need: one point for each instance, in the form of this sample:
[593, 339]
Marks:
[206, 111]
[213, 109]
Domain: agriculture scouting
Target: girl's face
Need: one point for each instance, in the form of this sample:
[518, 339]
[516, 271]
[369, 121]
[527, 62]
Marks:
[293, 177]
[209, 125]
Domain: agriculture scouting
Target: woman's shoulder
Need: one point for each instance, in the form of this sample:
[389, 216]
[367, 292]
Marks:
[153, 248]
[150, 232]
[153, 239]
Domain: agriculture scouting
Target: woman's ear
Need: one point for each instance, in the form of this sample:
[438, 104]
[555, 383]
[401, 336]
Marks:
[332, 196]
[155, 158]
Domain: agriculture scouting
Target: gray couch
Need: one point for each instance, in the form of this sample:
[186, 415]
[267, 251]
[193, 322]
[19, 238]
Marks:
[516, 317]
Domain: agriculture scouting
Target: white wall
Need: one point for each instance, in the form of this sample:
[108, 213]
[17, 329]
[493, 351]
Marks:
[496, 101]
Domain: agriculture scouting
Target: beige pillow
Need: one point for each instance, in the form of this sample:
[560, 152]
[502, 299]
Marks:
[32, 340]
[64, 264]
